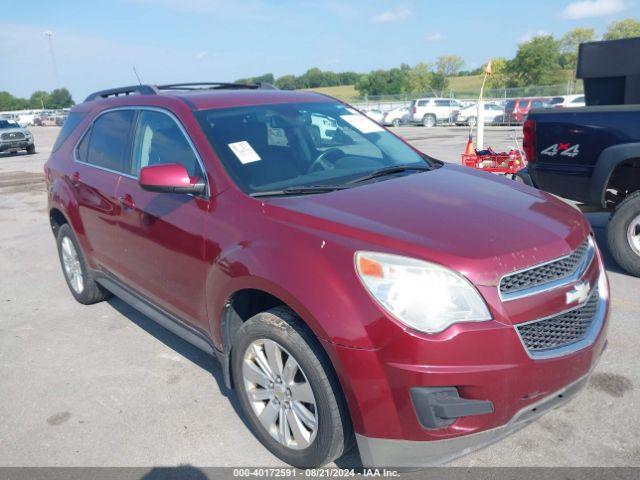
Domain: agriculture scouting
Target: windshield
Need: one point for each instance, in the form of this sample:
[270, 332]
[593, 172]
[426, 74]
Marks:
[271, 147]
[8, 124]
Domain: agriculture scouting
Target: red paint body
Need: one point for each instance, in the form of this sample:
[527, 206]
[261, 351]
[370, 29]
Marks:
[190, 255]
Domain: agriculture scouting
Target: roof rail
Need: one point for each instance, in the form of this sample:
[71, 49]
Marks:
[215, 86]
[115, 92]
[154, 89]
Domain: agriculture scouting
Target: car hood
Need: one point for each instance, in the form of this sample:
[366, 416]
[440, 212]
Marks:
[474, 222]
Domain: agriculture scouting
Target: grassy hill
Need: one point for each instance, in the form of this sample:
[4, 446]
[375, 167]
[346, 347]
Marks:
[343, 92]
[462, 86]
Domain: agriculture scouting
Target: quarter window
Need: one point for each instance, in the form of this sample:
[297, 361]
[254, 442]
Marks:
[109, 141]
[159, 141]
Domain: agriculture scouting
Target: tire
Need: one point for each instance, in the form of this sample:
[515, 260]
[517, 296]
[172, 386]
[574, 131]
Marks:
[429, 120]
[333, 433]
[396, 122]
[471, 121]
[87, 291]
[623, 234]
[31, 149]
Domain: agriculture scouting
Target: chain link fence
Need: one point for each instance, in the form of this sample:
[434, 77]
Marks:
[389, 102]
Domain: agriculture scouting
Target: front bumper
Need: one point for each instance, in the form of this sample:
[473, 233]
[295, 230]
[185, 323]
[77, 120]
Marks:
[15, 145]
[380, 452]
[486, 362]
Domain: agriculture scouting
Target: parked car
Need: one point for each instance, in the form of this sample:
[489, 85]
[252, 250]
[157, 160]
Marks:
[567, 101]
[431, 111]
[591, 155]
[374, 114]
[396, 117]
[14, 138]
[516, 110]
[312, 270]
[493, 113]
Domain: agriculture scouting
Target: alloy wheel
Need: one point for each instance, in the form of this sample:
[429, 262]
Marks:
[633, 235]
[280, 394]
[71, 264]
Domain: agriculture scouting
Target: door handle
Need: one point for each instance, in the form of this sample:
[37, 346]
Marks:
[127, 202]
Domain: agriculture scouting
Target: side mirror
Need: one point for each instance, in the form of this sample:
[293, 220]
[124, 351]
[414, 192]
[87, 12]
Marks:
[170, 178]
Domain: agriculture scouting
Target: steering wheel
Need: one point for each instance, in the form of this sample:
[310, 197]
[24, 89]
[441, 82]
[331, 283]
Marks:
[323, 161]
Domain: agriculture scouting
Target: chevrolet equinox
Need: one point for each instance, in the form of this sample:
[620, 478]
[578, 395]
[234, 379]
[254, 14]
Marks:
[356, 291]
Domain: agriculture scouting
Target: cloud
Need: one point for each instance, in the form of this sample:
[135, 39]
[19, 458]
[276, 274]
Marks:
[529, 35]
[392, 16]
[201, 55]
[593, 8]
[434, 37]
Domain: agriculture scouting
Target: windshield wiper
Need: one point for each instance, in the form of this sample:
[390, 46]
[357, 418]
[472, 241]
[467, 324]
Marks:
[301, 190]
[381, 172]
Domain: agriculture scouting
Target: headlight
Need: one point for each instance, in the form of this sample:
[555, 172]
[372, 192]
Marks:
[422, 295]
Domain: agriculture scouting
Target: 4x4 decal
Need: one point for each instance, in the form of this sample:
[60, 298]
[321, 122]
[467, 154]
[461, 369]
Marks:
[565, 149]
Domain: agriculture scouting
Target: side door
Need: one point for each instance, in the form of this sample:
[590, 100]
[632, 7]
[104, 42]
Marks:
[162, 233]
[101, 158]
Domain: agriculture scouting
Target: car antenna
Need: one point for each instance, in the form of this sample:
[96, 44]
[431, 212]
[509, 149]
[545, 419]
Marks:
[137, 76]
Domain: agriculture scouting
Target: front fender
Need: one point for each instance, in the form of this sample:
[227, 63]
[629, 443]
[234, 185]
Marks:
[314, 278]
[607, 162]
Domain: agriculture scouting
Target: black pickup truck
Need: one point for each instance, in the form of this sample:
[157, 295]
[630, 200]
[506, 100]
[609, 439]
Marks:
[591, 155]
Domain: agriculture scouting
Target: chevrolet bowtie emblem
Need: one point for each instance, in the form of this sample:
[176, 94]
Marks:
[579, 293]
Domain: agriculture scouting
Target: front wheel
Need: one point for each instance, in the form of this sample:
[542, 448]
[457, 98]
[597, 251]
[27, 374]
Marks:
[396, 122]
[471, 121]
[31, 149]
[623, 234]
[288, 390]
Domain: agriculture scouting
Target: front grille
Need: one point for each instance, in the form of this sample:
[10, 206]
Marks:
[13, 136]
[549, 272]
[561, 330]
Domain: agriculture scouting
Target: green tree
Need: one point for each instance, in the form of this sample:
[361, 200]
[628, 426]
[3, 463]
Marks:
[39, 99]
[419, 78]
[537, 62]
[9, 102]
[569, 44]
[439, 83]
[623, 29]
[449, 65]
[348, 78]
[286, 82]
[60, 98]
[499, 77]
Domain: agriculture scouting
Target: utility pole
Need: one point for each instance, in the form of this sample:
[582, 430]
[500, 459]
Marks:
[56, 77]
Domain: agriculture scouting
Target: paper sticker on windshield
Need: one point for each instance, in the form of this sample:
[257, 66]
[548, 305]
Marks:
[245, 152]
[362, 123]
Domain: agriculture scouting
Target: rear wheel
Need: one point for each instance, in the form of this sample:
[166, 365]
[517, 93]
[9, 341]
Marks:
[79, 279]
[396, 122]
[471, 121]
[623, 234]
[429, 120]
[288, 390]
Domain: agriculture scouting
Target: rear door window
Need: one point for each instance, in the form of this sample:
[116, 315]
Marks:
[110, 139]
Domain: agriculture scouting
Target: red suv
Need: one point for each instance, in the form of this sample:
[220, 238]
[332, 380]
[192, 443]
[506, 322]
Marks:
[352, 287]
[516, 110]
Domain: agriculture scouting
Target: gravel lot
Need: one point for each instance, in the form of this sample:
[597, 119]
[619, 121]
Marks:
[105, 386]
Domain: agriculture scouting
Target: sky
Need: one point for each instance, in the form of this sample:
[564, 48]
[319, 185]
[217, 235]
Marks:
[97, 43]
